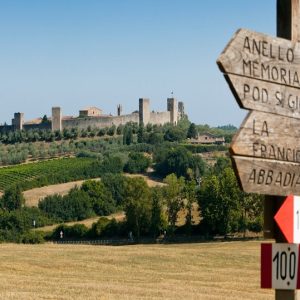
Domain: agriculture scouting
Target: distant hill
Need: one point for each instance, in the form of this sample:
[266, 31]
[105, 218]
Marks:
[228, 127]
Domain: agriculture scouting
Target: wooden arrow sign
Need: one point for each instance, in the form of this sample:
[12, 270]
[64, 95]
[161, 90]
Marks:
[262, 57]
[269, 177]
[288, 220]
[263, 72]
[268, 136]
[264, 96]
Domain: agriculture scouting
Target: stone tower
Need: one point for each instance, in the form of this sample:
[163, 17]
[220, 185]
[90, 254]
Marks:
[172, 107]
[18, 121]
[119, 110]
[144, 110]
[56, 119]
[180, 110]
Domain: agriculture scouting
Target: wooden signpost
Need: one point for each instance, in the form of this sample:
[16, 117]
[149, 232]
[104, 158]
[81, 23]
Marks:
[264, 96]
[263, 72]
[263, 176]
[268, 136]
[259, 56]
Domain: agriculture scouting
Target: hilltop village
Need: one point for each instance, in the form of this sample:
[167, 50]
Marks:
[95, 118]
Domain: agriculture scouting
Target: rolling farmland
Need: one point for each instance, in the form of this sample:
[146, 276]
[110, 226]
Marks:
[45, 172]
[186, 271]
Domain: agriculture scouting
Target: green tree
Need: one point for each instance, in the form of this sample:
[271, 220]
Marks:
[45, 120]
[141, 133]
[137, 163]
[175, 134]
[221, 164]
[76, 205]
[174, 196]
[192, 131]
[12, 199]
[251, 213]
[112, 164]
[174, 160]
[158, 217]
[190, 193]
[178, 160]
[155, 138]
[116, 184]
[127, 135]
[101, 198]
[219, 202]
[111, 130]
[137, 206]
[120, 129]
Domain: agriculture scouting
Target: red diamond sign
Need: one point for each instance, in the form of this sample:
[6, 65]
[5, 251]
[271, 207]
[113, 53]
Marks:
[287, 218]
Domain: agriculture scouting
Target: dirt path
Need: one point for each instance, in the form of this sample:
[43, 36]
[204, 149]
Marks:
[33, 196]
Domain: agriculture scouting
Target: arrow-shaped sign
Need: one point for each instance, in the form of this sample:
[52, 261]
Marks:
[263, 72]
[268, 177]
[268, 136]
[264, 96]
[287, 218]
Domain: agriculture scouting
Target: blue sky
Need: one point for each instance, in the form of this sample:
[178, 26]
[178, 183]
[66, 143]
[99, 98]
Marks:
[73, 54]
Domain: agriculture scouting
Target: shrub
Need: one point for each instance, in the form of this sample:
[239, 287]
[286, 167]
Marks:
[75, 206]
[100, 197]
[137, 163]
[12, 199]
[77, 231]
[99, 227]
[105, 228]
[112, 164]
[32, 237]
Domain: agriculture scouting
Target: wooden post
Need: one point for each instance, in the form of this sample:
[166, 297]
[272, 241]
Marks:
[288, 27]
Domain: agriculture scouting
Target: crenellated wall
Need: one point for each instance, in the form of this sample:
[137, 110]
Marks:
[58, 122]
[159, 117]
[6, 128]
[99, 122]
[46, 126]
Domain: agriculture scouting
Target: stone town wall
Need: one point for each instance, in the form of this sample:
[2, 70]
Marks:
[99, 122]
[143, 115]
[46, 126]
[6, 128]
[160, 117]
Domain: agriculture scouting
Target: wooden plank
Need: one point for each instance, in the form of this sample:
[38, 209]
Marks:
[262, 57]
[265, 96]
[268, 177]
[295, 26]
[284, 19]
[288, 19]
[268, 136]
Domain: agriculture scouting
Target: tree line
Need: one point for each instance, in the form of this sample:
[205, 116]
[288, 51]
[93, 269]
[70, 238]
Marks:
[149, 211]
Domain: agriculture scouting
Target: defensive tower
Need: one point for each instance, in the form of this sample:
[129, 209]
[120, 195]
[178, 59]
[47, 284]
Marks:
[144, 110]
[173, 109]
[56, 119]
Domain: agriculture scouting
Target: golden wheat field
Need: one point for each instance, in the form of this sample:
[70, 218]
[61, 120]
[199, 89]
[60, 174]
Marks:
[184, 271]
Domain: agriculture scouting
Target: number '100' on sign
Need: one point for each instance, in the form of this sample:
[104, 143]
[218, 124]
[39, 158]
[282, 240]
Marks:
[280, 266]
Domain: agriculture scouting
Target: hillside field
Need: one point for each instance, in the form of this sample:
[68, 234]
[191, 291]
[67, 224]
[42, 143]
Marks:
[184, 271]
[33, 196]
[46, 172]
